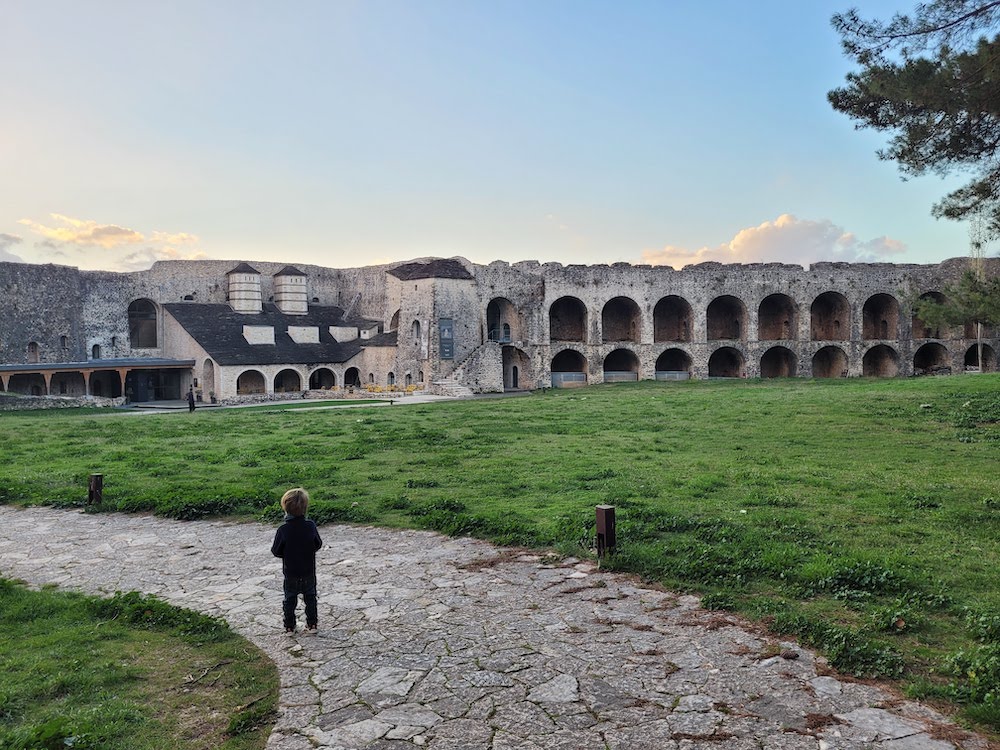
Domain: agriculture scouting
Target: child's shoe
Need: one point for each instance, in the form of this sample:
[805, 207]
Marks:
[312, 629]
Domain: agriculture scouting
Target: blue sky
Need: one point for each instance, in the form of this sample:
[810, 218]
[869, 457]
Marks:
[350, 133]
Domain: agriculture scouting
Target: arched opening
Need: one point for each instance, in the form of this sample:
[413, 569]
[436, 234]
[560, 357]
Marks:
[501, 321]
[287, 381]
[208, 377]
[27, 384]
[931, 359]
[922, 330]
[620, 320]
[621, 365]
[830, 317]
[64, 342]
[142, 324]
[727, 319]
[415, 331]
[829, 362]
[322, 379]
[420, 376]
[516, 368]
[95, 351]
[352, 378]
[390, 379]
[880, 362]
[408, 380]
[673, 364]
[394, 321]
[672, 319]
[567, 320]
[726, 362]
[250, 382]
[371, 378]
[972, 359]
[569, 368]
[971, 331]
[778, 362]
[777, 319]
[33, 355]
[880, 317]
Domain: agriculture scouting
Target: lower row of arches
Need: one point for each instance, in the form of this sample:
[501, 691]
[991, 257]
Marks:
[570, 366]
[251, 382]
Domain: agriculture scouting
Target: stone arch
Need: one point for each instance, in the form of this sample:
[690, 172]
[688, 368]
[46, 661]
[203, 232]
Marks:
[727, 319]
[931, 359]
[568, 320]
[502, 321]
[322, 379]
[989, 358]
[726, 362]
[880, 317]
[880, 361]
[371, 378]
[208, 376]
[27, 383]
[516, 369]
[95, 351]
[390, 378]
[142, 324]
[287, 381]
[621, 320]
[830, 317]
[672, 319]
[969, 331]
[569, 368]
[830, 362]
[408, 380]
[394, 321]
[673, 364]
[250, 382]
[920, 329]
[68, 384]
[778, 361]
[415, 331]
[777, 319]
[621, 365]
[352, 378]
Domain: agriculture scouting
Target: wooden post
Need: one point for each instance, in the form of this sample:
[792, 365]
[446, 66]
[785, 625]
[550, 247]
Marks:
[605, 529]
[95, 489]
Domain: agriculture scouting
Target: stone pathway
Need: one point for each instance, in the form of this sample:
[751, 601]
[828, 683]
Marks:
[442, 643]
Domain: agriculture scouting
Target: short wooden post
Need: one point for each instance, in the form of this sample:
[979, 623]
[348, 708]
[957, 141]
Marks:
[605, 529]
[95, 489]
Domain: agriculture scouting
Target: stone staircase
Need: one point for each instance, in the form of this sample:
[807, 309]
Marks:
[451, 387]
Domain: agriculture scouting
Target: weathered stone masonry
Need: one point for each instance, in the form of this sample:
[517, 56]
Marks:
[489, 328]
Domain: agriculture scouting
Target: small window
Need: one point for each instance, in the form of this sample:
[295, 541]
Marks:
[420, 376]
[32, 351]
[409, 379]
[114, 342]
[95, 352]
[64, 342]
[371, 378]
[391, 379]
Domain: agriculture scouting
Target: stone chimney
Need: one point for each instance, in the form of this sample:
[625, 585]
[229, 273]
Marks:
[244, 289]
[290, 294]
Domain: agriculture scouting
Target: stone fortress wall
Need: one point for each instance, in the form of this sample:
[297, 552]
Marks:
[517, 325]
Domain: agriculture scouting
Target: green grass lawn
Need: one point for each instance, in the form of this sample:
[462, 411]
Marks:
[860, 515]
[129, 673]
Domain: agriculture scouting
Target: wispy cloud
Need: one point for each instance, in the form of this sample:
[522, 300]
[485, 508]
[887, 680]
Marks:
[6, 241]
[784, 240]
[92, 245]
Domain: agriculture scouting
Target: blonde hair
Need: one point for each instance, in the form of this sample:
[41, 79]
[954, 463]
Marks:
[295, 501]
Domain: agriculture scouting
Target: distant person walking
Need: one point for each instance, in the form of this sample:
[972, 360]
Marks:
[296, 542]
[191, 399]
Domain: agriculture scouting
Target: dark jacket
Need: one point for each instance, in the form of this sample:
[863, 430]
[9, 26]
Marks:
[296, 542]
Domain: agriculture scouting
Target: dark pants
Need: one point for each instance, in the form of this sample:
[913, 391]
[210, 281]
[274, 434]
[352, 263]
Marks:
[293, 588]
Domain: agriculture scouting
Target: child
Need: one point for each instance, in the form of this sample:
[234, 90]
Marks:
[296, 542]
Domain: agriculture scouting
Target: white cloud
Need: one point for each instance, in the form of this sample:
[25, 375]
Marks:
[784, 240]
[84, 232]
[6, 241]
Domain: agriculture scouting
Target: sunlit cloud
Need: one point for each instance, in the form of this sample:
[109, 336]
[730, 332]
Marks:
[784, 240]
[6, 241]
[84, 232]
[90, 245]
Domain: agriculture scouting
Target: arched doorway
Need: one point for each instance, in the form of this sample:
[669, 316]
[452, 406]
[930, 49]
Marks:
[972, 359]
[620, 320]
[501, 321]
[829, 362]
[880, 317]
[931, 359]
[250, 382]
[830, 317]
[777, 319]
[673, 364]
[352, 378]
[208, 377]
[569, 369]
[726, 362]
[621, 366]
[516, 367]
[778, 362]
[287, 381]
[726, 316]
[672, 319]
[880, 362]
[142, 324]
[567, 320]
[322, 379]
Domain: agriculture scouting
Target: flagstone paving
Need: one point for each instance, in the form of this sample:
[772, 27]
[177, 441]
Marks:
[449, 644]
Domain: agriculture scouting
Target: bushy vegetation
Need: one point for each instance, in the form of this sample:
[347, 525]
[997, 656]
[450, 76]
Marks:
[860, 515]
[126, 673]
